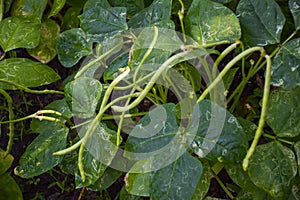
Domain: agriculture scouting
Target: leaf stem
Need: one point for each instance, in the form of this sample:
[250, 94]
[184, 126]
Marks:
[11, 117]
[222, 185]
[262, 119]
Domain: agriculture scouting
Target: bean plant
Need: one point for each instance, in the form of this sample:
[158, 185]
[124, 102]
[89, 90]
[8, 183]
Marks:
[158, 95]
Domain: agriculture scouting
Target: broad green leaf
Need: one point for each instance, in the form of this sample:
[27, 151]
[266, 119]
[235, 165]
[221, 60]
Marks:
[6, 161]
[208, 22]
[261, 21]
[219, 135]
[132, 6]
[19, 32]
[159, 10]
[294, 6]
[83, 95]
[69, 164]
[109, 176]
[60, 106]
[71, 19]
[38, 157]
[124, 195]
[222, 1]
[297, 150]
[138, 184]
[248, 126]
[286, 65]
[29, 7]
[95, 3]
[204, 182]
[272, 168]
[103, 23]
[46, 51]
[78, 3]
[178, 180]
[244, 194]
[26, 73]
[56, 7]
[9, 188]
[295, 189]
[283, 112]
[72, 45]
[100, 149]
[112, 71]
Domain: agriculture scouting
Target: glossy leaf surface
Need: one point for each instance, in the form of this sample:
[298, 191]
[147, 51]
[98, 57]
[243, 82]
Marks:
[272, 168]
[29, 7]
[26, 73]
[261, 21]
[72, 45]
[38, 157]
[286, 65]
[209, 22]
[56, 7]
[294, 6]
[19, 32]
[283, 112]
[46, 51]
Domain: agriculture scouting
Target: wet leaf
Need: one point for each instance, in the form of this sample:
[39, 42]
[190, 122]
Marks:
[102, 23]
[283, 112]
[132, 6]
[26, 73]
[109, 176]
[29, 7]
[19, 32]
[61, 106]
[72, 45]
[272, 168]
[294, 6]
[286, 65]
[261, 21]
[209, 22]
[6, 161]
[297, 150]
[159, 10]
[9, 188]
[46, 51]
[219, 135]
[56, 7]
[38, 158]
[83, 95]
[178, 180]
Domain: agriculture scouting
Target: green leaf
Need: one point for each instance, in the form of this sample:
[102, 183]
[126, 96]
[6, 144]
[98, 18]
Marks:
[229, 77]
[106, 180]
[132, 6]
[248, 126]
[138, 184]
[294, 6]
[83, 95]
[222, 1]
[29, 7]
[46, 51]
[261, 21]
[95, 3]
[71, 19]
[56, 7]
[19, 32]
[100, 149]
[297, 150]
[72, 45]
[61, 106]
[177, 180]
[219, 136]
[26, 73]
[204, 182]
[283, 112]
[38, 158]
[124, 195]
[112, 71]
[6, 161]
[272, 167]
[286, 65]
[209, 22]
[295, 189]
[9, 188]
[102, 23]
[7, 5]
[159, 10]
